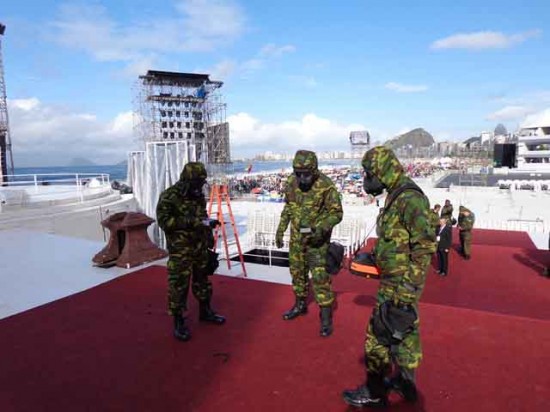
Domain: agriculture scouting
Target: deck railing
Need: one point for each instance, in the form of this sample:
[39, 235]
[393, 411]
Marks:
[22, 190]
[44, 179]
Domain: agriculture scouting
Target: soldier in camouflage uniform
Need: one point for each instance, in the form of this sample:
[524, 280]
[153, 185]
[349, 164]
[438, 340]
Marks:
[313, 208]
[181, 214]
[434, 217]
[465, 225]
[406, 242]
[447, 211]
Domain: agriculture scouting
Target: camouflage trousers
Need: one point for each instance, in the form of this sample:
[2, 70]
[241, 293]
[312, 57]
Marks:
[379, 358]
[466, 242]
[181, 270]
[302, 261]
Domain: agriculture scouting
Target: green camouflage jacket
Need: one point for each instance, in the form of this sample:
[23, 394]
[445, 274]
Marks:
[318, 208]
[447, 211]
[181, 217]
[406, 237]
[466, 223]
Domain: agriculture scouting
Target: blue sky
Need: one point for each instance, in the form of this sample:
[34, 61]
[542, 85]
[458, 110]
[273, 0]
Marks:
[297, 74]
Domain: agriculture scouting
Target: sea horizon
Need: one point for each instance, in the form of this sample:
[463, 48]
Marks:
[119, 171]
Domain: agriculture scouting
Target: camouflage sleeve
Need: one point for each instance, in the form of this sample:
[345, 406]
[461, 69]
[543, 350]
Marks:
[166, 217]
[285, 216]
[415, 217]
[434, 219]
[333, 211]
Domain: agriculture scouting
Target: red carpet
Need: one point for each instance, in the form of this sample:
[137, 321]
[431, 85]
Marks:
[110, 348]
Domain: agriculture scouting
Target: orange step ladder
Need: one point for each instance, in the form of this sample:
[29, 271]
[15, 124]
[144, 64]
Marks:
[219, 194]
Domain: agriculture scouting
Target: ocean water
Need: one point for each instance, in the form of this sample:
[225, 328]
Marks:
[119, 171]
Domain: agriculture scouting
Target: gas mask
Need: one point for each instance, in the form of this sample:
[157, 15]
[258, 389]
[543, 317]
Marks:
[372, 185]
[194, 188]
[305, 179]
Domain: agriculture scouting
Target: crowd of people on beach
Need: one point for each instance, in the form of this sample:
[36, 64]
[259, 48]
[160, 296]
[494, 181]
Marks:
[348, 180]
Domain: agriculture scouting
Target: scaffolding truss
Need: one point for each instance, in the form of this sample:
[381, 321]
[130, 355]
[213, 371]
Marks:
[187, 107]
[360, 143]
[6, 155]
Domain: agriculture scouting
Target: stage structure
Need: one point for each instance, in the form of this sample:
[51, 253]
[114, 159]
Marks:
[360, 143]
[6, 155]
[184, 107]
[178, 118]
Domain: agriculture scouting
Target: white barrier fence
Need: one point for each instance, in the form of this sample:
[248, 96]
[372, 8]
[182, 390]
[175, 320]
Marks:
[51, 189]
[262, 227]
[529, 226]
[517, 184]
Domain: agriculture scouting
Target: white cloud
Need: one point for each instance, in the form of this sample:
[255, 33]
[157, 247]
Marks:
[509, 113]
[249, 135]
[196, 25]
[139, 66]
[223, 69]
[483, 40]
[43, 134]
[405, 88]
[24, 104]
[267, 53]
[541, 118]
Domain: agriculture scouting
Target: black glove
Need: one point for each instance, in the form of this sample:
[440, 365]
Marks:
[214, 222]
[211, 223]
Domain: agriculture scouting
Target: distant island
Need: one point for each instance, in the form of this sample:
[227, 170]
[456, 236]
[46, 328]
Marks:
[80, 161]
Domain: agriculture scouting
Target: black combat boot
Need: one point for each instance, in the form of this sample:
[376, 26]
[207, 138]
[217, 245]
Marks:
[206, 314]
[371, 395]
[326, 321]
[299, 308]
[181, 332]
[404, 384]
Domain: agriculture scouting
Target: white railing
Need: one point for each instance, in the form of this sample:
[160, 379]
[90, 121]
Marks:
[45, 179]
[514, 225]
[262, 227]
[22, 190]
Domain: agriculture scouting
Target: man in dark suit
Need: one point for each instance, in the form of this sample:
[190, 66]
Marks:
[444, 241]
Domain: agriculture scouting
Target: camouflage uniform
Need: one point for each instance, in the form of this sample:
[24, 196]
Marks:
[434, 220]
[447, 212]
[188, 239]
[465, 226]
[319, 208]
[406, 242]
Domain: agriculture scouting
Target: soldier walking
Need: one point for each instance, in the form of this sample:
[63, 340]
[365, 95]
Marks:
[406, 243]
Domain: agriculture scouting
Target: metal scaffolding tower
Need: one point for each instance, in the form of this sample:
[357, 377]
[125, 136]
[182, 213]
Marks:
[189, 107]
[360, 143]
[6, 156]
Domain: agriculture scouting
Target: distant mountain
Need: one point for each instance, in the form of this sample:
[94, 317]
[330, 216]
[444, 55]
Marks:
[416, 138]
[80, 161]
